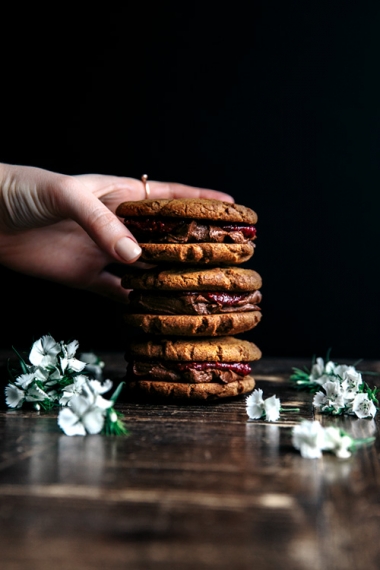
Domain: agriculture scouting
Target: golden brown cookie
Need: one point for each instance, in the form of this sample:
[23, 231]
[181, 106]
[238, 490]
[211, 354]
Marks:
[196, 208]
[174, 391]
[195, 325]
[203, 253]
[234, 279]
[219, 349]
[207, 232]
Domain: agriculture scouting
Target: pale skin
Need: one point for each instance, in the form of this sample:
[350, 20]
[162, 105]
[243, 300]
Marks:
[64, 228]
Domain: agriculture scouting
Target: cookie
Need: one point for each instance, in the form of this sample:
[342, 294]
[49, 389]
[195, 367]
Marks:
[195, 325]
[219, 349]
[193, 291]
[223, 360]
[208, 232]
[177, 392]
[195, 208]
[204, 253]
[234, 279]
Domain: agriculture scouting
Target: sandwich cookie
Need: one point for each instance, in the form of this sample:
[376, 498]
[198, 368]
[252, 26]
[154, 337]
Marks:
[191, 230]
[192, 301]
[195, 369]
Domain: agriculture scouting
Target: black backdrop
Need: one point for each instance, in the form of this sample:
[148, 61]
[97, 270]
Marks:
[277, 104]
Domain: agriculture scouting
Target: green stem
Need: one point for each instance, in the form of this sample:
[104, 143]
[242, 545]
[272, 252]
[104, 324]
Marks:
[363, 441]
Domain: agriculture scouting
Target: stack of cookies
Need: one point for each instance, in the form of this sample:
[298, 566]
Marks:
[193, 301]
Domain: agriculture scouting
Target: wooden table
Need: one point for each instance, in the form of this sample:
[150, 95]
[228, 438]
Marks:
[196, 487]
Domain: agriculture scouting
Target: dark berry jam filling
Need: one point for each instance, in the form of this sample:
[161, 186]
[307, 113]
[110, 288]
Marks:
[226, 299]
[248, 231]
[152, 225]
[155, 226]
[241, 368]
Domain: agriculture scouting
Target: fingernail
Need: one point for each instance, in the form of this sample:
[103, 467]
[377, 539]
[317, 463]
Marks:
[127, 249]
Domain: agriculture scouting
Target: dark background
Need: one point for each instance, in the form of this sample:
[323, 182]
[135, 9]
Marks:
[277, 104]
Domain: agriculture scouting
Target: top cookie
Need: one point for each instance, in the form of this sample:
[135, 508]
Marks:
[195, 208]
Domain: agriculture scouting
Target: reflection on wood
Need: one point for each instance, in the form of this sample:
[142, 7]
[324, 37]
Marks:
[190, 487]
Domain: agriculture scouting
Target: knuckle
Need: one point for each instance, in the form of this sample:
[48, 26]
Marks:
[102, 217]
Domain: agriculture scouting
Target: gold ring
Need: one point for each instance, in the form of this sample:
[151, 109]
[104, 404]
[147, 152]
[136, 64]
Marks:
[144, 180]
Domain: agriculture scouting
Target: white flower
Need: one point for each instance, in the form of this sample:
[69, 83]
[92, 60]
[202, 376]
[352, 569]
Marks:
[84, 413]
[14, 396]
[330, 367]
[94, 366]
[39, 373]
[89, 357]
[36, 394]
[351, 381]
[74, 389]
[70, 422]
[44, 351]
[309, 438]
[99, 387]
[363, 407]
[332, 398]
[71, 365]
[53, 378]
[90, 391]
[272, 407]
[317, 369]
[81, 417]
[71, 348]
[24, 380]
[255, 404]
[68, 362]
[334, 395]
[94, 370]
[323, 379]
[341, 369]
[319, 399]
[337, 442]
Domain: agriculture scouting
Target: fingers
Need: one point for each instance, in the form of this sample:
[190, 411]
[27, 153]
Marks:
[133, 189]
[107, 231]
[90, 201]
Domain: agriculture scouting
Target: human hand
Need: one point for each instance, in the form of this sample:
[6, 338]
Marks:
[64, 228]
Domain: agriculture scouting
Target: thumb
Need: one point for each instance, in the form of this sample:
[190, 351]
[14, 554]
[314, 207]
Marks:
[104, 227]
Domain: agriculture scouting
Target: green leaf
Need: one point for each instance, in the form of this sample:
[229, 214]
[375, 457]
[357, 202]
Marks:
[116, 393]
[23, 364]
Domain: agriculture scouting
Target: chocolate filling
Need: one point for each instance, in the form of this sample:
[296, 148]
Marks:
[169, 230]
[192, 303]
[189, 372]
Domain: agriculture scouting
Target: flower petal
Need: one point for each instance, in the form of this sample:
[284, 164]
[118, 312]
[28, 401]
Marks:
[75, 365]
[99, 387]
[69, 422]
[93, 420]
[24, 380]
[44, 351]
[14, 396]
[71, 348]
[254, 411]
[255, 404]
[272, 409]
[308, 437]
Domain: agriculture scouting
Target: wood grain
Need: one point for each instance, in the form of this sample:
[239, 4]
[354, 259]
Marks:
[191, 487]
